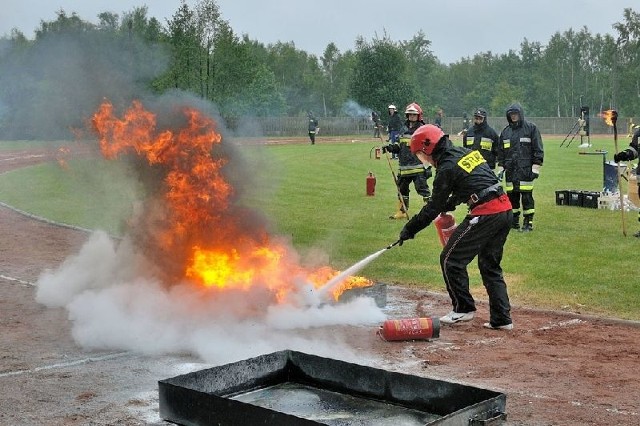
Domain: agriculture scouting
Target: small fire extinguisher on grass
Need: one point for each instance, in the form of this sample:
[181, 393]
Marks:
[445, 225]
[371, 184]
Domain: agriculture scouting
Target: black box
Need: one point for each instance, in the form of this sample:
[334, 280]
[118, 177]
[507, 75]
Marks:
[590, 199]
[562, 198]
[575, 198]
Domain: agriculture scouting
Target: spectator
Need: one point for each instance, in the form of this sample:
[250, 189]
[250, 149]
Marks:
[394, 127]
[520, 156]
[482, 137]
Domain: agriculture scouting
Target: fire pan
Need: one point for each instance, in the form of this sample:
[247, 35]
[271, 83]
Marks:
[294, 388]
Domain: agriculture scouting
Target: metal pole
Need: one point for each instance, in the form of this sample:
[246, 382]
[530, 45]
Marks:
[614, 119]
[395, 180]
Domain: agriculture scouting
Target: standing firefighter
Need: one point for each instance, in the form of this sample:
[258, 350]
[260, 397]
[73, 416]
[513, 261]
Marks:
[629, 154]
[410, 168]
[375, 119]
[394, 127]
[463, 176]
[520, 156]
[313, 127]
[483, 138]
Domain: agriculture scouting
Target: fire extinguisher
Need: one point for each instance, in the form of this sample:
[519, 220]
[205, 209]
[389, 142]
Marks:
[410, 329]
[377, 152]
[371, 185]
[445, 225]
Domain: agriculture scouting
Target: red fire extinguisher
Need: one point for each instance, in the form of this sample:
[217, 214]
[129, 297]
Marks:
[410, 329]
[445, 225]
[377, 151]
[371, 185]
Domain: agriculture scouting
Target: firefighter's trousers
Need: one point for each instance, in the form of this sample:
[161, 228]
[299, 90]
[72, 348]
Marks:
[484, 237]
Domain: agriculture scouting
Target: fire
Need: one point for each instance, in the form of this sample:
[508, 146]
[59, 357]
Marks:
[610, 117]
[203, 237]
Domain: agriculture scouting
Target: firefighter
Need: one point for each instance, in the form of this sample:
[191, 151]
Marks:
[375, 119]
[410, 168]
[463, 176]
[629, 154]
[483, 137]
[520, 156]
[313, 127]
[394, 128]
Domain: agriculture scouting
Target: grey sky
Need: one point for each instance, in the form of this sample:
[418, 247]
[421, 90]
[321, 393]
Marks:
[456, 28]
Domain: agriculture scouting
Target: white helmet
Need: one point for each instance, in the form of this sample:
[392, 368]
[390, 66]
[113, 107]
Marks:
[392, 106]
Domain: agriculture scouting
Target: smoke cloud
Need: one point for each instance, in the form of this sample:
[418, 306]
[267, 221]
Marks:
[116, 290]
[115, 303]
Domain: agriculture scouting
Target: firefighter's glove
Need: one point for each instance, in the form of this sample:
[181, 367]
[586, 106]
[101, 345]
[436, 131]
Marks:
[451, 204]
[622, 156]
[500, 173]
[427, 172]
[410, 229]
[405, 234]
[385, 148]
[535, 169]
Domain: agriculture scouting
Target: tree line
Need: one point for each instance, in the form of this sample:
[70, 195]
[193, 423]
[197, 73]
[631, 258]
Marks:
[51, 83]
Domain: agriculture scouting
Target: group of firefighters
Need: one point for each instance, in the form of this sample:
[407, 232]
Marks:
[493, 174]
[471, 174]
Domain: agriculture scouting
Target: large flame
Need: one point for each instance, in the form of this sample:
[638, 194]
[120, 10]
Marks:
[201, 224]
[610, 117]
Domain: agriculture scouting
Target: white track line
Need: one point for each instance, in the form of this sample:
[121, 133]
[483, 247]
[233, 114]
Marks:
[18, 280]
[66, 364]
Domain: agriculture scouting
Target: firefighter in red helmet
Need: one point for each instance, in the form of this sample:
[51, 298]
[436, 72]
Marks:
[463, 176]
[410, 168]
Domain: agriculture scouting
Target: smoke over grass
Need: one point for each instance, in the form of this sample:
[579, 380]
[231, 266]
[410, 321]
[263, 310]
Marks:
[132, 294]
[54, 85]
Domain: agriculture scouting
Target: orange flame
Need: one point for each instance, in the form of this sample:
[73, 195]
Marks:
[609, 116]
[203, 231]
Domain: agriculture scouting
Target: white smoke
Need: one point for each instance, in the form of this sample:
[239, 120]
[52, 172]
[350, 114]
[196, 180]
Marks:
[113, 304]
[353, 109]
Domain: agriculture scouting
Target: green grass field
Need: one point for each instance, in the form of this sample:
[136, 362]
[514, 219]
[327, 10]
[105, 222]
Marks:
[576, 259]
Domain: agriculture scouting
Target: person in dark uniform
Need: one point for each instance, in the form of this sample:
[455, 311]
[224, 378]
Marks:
[630, 154]
[482, 137]
[410, 168]
[439, 117]
[394, 127]
[375, 118]
[520, 156]
[463, 176]
[313, 127]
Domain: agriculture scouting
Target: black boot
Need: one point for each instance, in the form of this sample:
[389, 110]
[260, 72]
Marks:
[527, 223]
[515, 224]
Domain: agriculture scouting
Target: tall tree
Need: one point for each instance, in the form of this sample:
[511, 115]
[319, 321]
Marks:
[381, 75]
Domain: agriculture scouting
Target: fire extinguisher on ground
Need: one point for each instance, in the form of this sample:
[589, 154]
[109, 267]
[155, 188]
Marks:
[371, 184]
[445, 225]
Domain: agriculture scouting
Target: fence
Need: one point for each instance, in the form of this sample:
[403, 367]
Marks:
[342, 126]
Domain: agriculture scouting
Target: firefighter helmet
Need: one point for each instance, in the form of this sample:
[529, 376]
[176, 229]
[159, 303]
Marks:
[480, 112]
[425, 138]
[392, 106]
[413, 108]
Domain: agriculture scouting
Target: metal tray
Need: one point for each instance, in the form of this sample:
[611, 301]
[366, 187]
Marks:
[294, 388]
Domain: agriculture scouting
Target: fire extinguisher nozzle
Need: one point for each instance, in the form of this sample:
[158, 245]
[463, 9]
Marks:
[394, 244]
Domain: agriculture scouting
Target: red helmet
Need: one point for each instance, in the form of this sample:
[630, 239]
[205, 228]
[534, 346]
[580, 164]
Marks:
[425, 138]
[413, 108]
